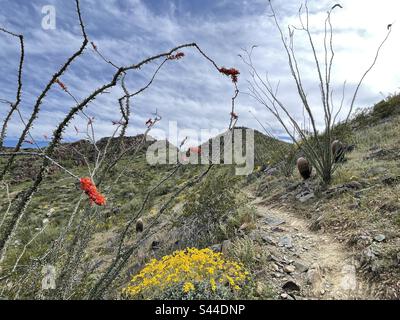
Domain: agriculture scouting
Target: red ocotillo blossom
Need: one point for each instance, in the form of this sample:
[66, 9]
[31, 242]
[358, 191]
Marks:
[62, 85]
[176, 56]
[90, 189]
[232, 72]
[234, 115]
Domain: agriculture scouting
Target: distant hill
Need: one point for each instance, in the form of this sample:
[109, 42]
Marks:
[265, 147]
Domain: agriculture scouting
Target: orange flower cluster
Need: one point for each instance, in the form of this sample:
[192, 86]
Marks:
[62, 85]
[90, 189]
[232, 72]
[176, 56]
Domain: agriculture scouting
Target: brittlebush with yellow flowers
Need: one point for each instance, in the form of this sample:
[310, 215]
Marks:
[186, 269]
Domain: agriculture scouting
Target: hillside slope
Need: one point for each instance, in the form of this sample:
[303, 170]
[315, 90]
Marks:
[357, 218]
[360, 209]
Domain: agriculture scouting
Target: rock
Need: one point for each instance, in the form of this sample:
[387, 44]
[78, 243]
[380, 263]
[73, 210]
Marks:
[305, 196]
[353, 185]
[284, 196]
[267, 239]
[275, 267]
[384, 154]
[376, 171]
[354, 206]
[289, 268]
[216, 247]
[277, 229]
[272, 221]
[300, 267]
[293, 186]
[290, 286]
[285, 296]
[286, 241]
[226, 246]
[345, 187]
[115, 210]
[376, 152]
[271, 171]
[314, 279]
[254, 235]
[271, 257]
[244, 226]
[260, 288]
[288, 261]
[379, 237]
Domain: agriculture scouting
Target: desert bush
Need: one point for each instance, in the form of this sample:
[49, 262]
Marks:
[386, 108]
[244, 250]
[211, 212]
[288, 161]
[188, 274]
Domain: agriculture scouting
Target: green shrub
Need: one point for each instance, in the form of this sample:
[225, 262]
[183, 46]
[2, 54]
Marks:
[386, 108]
[211, 213]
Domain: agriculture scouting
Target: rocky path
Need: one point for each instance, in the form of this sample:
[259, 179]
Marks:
[305, 264]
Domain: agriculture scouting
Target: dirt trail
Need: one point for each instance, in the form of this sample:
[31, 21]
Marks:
[306, 264]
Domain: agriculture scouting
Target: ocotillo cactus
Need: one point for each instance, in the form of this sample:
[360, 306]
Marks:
[304, 167]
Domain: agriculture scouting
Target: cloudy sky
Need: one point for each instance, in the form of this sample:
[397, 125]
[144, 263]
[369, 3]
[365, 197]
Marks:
[189, 91]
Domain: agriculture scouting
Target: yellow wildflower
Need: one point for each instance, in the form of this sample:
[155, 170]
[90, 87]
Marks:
[187, 266]
[188, 286]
